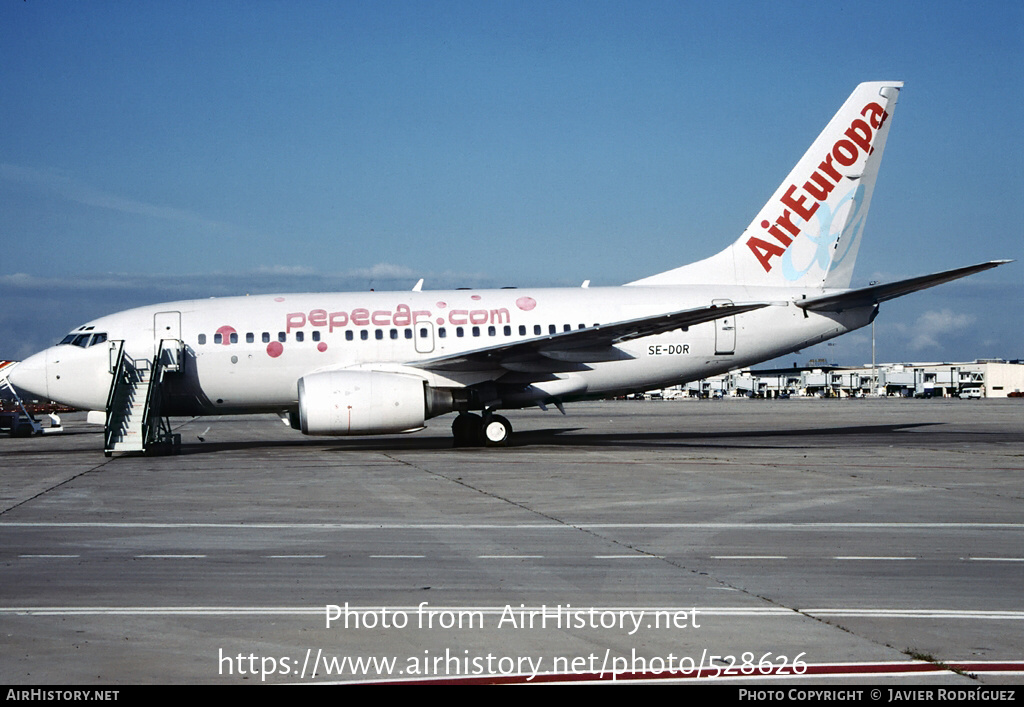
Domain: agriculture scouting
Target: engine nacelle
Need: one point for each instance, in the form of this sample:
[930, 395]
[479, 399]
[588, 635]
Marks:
[361, 403]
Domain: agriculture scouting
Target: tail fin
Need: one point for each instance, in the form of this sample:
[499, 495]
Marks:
[808, 233]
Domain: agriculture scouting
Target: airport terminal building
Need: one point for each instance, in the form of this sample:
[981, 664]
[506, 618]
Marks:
[983, 378]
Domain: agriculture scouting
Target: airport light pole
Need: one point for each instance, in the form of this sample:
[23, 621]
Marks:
[874, 370]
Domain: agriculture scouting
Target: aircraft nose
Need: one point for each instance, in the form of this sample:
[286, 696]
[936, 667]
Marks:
[30, 375]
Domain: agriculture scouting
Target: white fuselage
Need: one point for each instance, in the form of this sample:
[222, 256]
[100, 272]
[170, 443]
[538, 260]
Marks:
[246, 354]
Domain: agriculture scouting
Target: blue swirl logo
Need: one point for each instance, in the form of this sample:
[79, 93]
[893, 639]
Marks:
[822, 255]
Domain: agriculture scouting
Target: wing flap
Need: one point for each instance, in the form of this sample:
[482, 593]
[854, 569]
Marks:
[600, 354]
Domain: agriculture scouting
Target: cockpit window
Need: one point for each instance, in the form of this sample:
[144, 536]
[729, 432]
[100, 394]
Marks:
[83, 340]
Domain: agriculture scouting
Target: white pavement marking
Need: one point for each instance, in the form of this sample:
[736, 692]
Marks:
[172, 557]
[929, 614]
[48, 556]
[531, 526]
[870, 557]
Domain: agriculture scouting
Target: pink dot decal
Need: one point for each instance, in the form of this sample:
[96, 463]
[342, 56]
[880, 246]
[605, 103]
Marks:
[442, 305]
[279, 299]
[526, 303]
[474, 296]
[440, 320]
[321, 347]
[274, 349]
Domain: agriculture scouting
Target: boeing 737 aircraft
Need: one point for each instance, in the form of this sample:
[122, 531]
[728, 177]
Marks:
[385, 362]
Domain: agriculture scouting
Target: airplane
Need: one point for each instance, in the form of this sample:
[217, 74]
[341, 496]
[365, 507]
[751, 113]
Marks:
[385, 362]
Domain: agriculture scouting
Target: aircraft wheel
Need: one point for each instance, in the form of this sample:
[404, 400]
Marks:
[466, 429]
[496, 431]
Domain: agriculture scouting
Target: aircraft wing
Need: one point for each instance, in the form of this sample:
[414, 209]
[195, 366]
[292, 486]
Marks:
[867, 296]
[569, 350]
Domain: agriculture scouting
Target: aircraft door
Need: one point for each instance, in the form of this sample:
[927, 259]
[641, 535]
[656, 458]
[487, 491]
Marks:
[166, 325]
[725, 331]
[424, 335]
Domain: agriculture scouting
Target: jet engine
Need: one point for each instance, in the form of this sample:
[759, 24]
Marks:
[362, 403]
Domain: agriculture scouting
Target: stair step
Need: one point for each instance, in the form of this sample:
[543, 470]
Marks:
[128, 403]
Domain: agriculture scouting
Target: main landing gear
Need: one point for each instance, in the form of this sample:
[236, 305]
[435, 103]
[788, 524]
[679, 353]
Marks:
[488, 430]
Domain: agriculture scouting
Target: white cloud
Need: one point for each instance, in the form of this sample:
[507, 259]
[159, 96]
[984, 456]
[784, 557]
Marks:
[383, 270]
[285, 270]
[926, 332]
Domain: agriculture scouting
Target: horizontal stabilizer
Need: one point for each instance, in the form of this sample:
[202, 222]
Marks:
[868, 296]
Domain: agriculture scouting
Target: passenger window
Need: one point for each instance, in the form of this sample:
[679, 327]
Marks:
[566, 327]
[349, 336]
[316, 336]
[394, 333]
[522, 330]
[423, 333]
[508, 331]
[491, 331]
[442, 333]
[378, 334]
[300, 335]
[234, 338]
[476, 331]
[282, 337]
[459, 332]
[408, 333]
[364, 334]
[218, 338]
[250, 337]
[266, 337]
[552, 329]
[536, 329]
[202, 339]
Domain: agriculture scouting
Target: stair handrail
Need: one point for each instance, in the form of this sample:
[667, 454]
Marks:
[175, 349]
[116, 360]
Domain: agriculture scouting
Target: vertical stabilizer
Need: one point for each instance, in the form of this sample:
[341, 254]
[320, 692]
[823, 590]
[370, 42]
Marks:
[808, 233]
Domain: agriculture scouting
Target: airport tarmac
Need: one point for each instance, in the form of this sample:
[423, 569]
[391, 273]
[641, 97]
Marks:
[853, 540]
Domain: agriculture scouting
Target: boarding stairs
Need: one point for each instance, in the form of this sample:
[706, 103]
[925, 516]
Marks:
[135, 420]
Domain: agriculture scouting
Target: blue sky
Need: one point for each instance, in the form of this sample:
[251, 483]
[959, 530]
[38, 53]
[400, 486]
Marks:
[154, 151]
